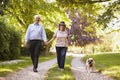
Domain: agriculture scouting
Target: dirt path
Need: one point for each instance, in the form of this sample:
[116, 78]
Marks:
[80, 73]
[28, 74]
[78, 69]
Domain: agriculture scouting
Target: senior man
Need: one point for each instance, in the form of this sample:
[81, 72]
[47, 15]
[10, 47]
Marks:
[34, 36]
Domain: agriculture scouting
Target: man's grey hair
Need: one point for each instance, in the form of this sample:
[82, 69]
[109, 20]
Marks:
[36, 16]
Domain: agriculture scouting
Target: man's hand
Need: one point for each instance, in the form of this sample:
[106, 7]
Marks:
[47, 43]
[25, 44]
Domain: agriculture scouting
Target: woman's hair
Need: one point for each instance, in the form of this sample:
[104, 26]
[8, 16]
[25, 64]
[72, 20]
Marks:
[62, 24]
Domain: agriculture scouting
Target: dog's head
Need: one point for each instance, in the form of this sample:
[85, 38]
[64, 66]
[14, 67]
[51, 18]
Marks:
[90, 60]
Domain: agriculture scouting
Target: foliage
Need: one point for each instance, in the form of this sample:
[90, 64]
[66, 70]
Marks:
[94, 16]
[111, 12]
[10, 41]
[3, 4]
[81, 34]
[98, 13]
[24, 10]
[24, 51]
[15, 43]
[20, 13]
[83, 16]
[49, 33]
[101, 11]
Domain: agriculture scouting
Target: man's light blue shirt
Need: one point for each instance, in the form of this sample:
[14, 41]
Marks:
[35, 32]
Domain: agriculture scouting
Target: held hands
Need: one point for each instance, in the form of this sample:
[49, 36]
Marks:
[47, 43]
[25, 44]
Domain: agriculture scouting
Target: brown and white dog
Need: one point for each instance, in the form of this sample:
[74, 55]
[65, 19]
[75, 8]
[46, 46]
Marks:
[90, 64]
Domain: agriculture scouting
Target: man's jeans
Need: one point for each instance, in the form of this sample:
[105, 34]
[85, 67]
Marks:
[34, 48]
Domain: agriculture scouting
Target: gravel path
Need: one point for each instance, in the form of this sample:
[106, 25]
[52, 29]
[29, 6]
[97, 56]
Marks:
[11, 62]
[80, 73]
[28, 74]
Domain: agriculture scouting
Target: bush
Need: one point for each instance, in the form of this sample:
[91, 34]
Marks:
[10, 41]
[15, 44]
[24, 51]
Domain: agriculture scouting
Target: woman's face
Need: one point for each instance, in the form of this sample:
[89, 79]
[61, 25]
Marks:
[62, 28]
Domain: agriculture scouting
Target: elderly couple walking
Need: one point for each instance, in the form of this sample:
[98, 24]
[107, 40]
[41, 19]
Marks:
[36, 33]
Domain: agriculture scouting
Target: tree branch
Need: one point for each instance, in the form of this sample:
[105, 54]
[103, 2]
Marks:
[90, 1]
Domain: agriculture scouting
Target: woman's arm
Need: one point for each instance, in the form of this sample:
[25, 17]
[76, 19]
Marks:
[53, 38]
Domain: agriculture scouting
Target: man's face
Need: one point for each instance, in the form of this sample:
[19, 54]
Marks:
[37, 19]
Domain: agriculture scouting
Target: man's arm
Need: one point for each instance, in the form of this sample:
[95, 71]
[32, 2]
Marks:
[44, 35]
[27, 35]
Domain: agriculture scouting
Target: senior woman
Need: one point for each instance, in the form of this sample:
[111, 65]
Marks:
[61, 37]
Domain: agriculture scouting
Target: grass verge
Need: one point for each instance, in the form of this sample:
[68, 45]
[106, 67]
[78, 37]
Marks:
[108, 64]
[6, 69]
[55, 74]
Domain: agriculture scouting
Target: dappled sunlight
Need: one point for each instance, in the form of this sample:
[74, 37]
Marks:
[61, 77]
[112, 71]
[68, 66]
[75, 49]
[77, 69]
[6, 70]
[46, 58]
[66, 76]
[20, 68]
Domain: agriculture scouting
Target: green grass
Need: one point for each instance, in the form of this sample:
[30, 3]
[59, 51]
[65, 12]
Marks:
[11, 68]
[108, 64]
[55, 74]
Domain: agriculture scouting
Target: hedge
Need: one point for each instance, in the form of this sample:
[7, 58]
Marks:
[10, 42]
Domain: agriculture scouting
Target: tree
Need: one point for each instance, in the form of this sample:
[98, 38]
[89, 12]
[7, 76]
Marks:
[24, 10]
[81, 33]
[19, 13]
[110, 13]
[3, 4]
[100, 11]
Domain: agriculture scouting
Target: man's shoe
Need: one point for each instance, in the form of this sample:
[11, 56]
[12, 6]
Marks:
[35, 70]
[59, 69]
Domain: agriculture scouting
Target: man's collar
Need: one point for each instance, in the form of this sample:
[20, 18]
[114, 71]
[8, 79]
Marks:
[36, 24]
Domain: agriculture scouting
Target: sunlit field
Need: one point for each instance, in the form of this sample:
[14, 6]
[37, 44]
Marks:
[81, 50]
[75, 49]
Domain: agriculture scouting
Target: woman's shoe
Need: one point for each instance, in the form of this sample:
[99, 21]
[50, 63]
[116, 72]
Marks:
[61, 69]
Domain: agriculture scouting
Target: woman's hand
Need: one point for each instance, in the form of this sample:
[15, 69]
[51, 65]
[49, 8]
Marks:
[25, 44]
[47, 43]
